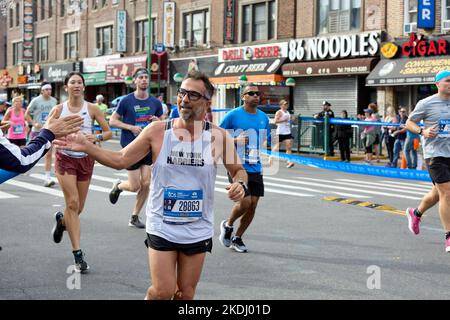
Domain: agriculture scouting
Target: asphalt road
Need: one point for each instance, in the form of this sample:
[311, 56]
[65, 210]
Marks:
[301, 246]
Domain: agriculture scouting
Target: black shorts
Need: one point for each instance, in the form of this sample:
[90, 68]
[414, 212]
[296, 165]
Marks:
[282, 137]
[146, 161]
[255, 183]
[439, 169]
[161, 244]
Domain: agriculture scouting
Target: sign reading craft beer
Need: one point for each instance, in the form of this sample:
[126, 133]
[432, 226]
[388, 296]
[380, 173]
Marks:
[335, 47]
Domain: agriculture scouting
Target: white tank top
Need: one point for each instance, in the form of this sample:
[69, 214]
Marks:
[86, 128]
[180, 206]
[284, 127]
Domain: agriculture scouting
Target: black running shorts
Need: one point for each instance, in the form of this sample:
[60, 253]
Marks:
[161, 244]
[255, 183]
[146, 161]
[439, 169]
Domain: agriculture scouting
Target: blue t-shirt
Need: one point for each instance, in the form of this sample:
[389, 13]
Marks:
[257, 128]
[174, 113]
[137, 112]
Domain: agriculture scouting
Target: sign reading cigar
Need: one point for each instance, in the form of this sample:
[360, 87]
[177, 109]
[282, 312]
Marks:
[335, 47]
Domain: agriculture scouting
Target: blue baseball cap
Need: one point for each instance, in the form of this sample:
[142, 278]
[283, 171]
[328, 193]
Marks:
[441, 75]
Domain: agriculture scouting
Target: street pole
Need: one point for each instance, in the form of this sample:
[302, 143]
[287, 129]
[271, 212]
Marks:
[150, 45]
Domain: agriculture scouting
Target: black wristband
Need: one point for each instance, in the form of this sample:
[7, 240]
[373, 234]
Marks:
[244, 186]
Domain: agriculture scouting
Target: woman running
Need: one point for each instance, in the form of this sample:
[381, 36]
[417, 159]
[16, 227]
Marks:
[74, 169]
[15, 117]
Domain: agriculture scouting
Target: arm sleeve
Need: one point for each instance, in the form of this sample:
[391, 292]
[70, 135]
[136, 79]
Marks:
[13, 158]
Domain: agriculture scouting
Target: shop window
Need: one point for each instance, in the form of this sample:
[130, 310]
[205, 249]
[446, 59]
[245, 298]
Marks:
[141, 32]
[410, 18]
[258, 21]
[195, 28]
[70, 45]
[17, 53]
[42, 49]
[104, 40]
[445, 15]
[339, 16]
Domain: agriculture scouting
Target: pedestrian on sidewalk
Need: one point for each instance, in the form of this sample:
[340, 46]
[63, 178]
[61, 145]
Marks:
[344, 133]
[283, 121]
[400, 136]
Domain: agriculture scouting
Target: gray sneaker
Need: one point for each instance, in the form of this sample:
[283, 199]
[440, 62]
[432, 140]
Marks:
[238, 245]
[225, 234]
[134, 222]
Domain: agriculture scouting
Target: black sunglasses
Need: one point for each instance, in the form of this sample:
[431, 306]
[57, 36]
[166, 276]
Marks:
[192, 95]
[253, 93]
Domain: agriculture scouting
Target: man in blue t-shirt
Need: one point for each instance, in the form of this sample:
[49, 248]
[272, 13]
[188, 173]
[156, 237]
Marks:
[250, 129]
[134, 112]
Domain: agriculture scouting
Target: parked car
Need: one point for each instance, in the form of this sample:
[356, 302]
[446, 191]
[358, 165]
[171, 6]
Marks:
[116, 101]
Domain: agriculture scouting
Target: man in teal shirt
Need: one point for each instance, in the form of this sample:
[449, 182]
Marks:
[250, 129]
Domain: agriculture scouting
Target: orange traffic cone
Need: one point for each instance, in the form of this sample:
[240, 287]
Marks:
[404, 164]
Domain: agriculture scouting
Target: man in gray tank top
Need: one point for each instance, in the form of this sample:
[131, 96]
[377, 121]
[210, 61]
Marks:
[180, 208]
[434, 111]
[39, 109]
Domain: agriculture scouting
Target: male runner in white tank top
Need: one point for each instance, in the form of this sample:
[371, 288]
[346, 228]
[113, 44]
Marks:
[180, 209]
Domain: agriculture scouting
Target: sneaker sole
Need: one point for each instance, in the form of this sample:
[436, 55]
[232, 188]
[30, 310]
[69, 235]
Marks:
[410, 222]
[238, 249]
[132, 225]
[222, 236]
[81, 271]
[54, 229]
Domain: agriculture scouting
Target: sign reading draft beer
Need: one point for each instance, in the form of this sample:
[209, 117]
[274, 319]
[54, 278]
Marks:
[28, 31]
[335, 47]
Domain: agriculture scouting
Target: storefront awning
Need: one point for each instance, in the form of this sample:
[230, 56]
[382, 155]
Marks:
[329, 67]
[261, 70]
[401, 72]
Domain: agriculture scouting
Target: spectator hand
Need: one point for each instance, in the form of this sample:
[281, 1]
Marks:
[75, 142]
[61, 127]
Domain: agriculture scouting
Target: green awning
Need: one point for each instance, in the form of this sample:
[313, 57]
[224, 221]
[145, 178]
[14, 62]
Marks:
[94, 79]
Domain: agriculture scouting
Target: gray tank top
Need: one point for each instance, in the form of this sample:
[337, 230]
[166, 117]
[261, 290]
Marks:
[180, 206]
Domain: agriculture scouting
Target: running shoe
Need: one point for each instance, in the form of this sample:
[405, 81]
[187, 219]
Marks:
[447, 245]
[115, 192]
[58, 228]
[290, 165]
[135, 222]
[238, 245]
[413, 221]
[81, 265]
[225, 234]
[49, 183]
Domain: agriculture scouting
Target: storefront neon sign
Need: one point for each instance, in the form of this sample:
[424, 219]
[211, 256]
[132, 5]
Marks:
[422, 48]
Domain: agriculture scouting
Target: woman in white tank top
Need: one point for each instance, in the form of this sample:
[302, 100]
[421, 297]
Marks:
[74, 169]
[283, 122]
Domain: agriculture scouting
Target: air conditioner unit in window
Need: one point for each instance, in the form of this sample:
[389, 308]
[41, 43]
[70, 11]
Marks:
[98, 52]
[410, 27]
[446, 25]
[184, 43]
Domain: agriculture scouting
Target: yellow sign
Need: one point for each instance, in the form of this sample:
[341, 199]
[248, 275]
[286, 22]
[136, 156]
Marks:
[389, 50]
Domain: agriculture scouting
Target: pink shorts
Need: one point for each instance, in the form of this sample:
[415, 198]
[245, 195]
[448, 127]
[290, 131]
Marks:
[82, 168]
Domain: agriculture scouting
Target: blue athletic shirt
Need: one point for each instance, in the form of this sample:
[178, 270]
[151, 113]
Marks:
[239, 120]
[137, 112]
